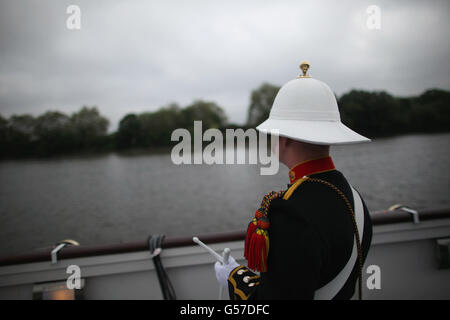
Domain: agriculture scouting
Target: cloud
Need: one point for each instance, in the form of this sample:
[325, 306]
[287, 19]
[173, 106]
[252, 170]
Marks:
[139, 55]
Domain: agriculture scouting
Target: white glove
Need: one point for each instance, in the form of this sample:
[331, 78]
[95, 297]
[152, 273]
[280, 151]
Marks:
[223, 270]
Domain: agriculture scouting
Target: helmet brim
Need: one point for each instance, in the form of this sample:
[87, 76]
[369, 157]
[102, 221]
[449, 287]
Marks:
[314, 132]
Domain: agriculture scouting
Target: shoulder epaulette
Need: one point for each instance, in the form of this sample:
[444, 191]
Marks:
[294, 186]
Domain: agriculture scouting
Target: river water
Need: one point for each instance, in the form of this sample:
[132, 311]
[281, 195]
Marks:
[116, 198]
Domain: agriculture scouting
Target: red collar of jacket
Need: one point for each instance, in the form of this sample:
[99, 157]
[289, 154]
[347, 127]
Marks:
[309, 167]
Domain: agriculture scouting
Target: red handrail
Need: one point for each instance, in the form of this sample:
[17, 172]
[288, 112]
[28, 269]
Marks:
[378, 218]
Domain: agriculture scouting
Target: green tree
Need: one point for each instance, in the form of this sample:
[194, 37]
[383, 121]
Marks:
[89, 128]
[211, 115]
[128, 134]
[370, 113]
[3, 137]
[431, 111]
[54, 133]
[157, 127]
[261, 101]
[20, 135]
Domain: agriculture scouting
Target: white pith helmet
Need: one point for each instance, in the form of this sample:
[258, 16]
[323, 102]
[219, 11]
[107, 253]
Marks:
[305, 109]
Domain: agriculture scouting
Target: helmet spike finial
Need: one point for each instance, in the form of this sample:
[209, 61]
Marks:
[304, 66]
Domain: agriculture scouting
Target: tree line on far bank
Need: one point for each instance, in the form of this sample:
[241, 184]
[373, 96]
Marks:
[373, 114]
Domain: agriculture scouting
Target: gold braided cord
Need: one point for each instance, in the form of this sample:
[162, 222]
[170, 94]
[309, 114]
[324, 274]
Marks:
[265, 204]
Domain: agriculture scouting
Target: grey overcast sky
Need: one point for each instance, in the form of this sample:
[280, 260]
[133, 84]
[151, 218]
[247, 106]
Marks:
[135, 56]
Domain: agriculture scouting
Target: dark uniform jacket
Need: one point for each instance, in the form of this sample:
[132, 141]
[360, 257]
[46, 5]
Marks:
[311, 239]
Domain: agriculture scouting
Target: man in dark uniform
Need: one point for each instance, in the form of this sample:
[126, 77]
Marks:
[309, 241]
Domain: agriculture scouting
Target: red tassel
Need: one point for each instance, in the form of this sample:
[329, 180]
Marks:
[257, 239]
[250, 231]
[252, 256]
[258, 251]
